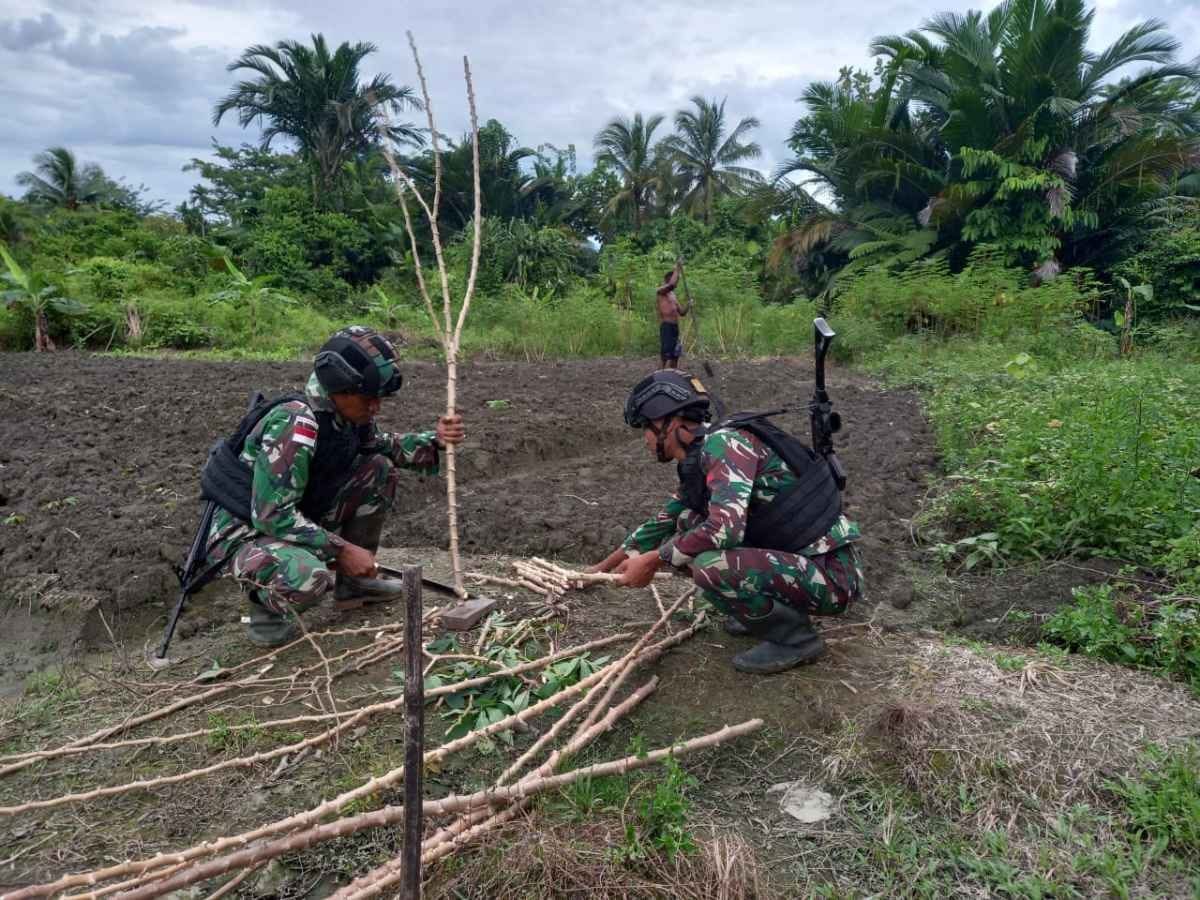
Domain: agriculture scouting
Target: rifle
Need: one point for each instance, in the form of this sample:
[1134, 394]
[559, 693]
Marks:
[820, 408]
[193, 574]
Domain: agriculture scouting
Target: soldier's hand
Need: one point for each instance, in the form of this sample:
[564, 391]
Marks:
[609, 562]
[450, 430]
[638, 571]
[356, 562]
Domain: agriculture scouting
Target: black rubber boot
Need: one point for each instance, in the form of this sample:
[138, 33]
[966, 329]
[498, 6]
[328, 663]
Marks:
[268, 628]
[352, 593]
[788, 640]
[736, 627]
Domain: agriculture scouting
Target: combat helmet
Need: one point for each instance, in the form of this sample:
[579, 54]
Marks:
[667, 392]
[358, 360]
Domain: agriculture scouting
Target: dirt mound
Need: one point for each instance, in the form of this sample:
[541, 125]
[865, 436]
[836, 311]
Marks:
[100, 458]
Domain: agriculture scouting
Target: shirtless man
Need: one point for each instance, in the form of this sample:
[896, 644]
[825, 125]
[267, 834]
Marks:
[670, 348]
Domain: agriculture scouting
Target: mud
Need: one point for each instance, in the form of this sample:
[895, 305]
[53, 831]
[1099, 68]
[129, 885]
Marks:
[99, 463]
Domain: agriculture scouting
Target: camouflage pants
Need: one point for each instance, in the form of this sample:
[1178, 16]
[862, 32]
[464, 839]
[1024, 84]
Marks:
[290, 576]
[748, 581]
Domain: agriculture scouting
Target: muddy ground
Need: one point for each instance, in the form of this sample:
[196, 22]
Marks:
[99, 459]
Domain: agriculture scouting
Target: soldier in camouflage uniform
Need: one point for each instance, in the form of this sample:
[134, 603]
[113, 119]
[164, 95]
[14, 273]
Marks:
[765, 592]
[304, 496]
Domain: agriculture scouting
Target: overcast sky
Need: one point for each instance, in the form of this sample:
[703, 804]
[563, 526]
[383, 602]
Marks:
[131, 84]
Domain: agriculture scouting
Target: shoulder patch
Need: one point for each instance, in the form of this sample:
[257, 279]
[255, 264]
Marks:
[304, 431]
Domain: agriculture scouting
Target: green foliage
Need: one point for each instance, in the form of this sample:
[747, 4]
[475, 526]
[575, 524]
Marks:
[1168, 261]
[253, 303]
[30, 291]
[1163, 802]
[476, 708]
[541, 261]
[661, 823]
[984, 300]
[1161, 634]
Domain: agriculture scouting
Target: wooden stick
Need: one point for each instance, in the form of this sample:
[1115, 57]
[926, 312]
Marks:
[379, 783]
[131, 723]
[414, 735]
[374, 882]
[246, 761]
[373, 785]
[390, 815]
[650, 654]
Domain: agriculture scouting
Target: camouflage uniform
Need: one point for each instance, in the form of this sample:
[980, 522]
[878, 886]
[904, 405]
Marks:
[281, 551]
[822, 579]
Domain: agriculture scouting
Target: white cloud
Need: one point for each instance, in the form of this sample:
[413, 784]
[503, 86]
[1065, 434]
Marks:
[131, 85]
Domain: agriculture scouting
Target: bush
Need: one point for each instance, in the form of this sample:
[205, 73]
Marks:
[985, 300]
[1160, 633]
[1170, 263]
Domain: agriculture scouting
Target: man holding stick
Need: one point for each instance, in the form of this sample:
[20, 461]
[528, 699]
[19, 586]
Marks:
[762, 537]
[304, 484]
[670, 347]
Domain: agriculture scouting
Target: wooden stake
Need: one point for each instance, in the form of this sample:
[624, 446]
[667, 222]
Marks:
[414, 734]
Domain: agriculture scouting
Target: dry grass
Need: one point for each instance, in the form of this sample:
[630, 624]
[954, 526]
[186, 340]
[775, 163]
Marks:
[542, 857]
[1024, 740]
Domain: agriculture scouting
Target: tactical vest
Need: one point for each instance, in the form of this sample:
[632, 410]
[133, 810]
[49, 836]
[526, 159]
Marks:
[228, 481]
[801, 513]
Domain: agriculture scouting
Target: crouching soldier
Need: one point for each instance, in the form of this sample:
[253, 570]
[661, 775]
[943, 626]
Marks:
[304, 483]
[756, 519]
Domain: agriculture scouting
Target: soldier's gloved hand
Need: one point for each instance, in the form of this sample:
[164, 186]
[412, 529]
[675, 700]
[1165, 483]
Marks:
[638, 571]
[356, 562]
[450, 430]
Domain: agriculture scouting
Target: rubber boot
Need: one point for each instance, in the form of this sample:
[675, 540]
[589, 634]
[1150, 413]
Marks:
[736, 627]
[788, 640]
[351, 593]
[268, 628]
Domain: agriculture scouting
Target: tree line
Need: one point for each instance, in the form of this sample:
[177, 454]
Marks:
[1002, 129]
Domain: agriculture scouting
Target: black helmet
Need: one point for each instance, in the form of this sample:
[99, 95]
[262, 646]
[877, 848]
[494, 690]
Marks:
[358, 360]
[668, 392]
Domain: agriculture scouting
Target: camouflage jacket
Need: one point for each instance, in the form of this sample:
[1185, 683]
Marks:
[279, 449]
[739, 468]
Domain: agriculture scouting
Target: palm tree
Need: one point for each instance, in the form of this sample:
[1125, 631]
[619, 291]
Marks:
[314, 97]
[61, 181]
[1047, 150]
[625, 146]
[707, 159]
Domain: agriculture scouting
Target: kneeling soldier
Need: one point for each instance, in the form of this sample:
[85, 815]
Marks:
[757, 520]
[304, 483]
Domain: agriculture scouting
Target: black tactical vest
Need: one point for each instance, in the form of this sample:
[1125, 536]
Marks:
[795, 517]
[227, 481]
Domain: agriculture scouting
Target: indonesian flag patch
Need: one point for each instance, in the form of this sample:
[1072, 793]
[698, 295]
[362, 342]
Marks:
[305, 432]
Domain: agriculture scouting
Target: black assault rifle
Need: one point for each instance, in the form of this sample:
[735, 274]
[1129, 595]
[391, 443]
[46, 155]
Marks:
[194, 573]
[820, 408]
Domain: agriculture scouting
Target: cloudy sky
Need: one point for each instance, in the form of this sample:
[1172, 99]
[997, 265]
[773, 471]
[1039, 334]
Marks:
[131, 84]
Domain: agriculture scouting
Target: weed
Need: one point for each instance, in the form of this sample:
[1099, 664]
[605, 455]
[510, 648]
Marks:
[1163, 802]
[660, 826]
[1156, 635]
[233, 734]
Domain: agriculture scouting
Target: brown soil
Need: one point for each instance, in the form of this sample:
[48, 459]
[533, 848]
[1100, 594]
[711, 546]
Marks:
[98, 468]
[99, 461]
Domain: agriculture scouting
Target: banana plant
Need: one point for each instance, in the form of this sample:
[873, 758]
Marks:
[254, 297]
[30, 290]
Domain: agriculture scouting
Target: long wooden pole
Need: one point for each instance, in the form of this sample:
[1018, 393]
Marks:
[414, 733]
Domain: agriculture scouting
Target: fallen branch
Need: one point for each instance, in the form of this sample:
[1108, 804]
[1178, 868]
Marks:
[391, 815]
[313, 815]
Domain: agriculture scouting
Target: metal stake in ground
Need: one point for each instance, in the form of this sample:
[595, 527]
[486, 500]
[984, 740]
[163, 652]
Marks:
[414, 733]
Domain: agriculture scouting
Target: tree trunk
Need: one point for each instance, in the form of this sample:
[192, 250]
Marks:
[41, 333]
[133, 325]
